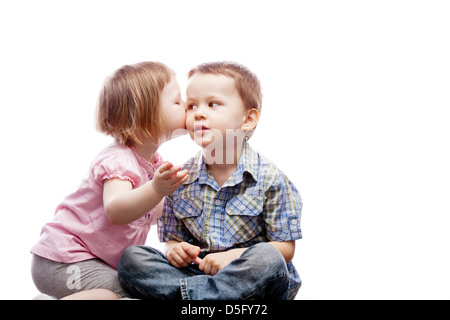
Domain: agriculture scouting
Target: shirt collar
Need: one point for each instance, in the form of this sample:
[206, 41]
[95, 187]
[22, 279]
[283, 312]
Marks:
[248, 162]
[149, 166]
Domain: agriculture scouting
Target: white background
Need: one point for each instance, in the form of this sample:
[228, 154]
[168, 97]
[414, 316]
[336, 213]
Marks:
[355, 112]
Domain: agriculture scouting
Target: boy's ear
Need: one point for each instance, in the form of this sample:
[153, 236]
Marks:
[251, 120]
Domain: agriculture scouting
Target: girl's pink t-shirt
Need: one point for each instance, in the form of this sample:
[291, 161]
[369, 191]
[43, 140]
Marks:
[80, 229]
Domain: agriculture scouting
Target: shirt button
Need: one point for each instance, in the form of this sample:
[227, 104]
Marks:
[189, 210]
[218, 202]
[294, 222]
[242, 207]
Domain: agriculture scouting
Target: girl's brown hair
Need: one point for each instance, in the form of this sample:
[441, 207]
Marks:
[129, 104]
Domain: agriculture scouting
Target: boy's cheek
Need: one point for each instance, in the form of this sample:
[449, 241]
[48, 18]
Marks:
[189, 123]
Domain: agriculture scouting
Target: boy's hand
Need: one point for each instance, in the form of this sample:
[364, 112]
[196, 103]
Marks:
[214, 262]
[168, 178]
[182, 254]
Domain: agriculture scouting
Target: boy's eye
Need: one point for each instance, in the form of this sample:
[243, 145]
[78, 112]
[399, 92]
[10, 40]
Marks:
[191, 106]
[213, 104]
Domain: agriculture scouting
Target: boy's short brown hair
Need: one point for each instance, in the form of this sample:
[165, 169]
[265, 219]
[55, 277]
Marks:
[247, 83]
[129, 104]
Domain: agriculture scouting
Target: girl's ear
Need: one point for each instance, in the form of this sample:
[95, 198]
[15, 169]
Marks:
[251, 120]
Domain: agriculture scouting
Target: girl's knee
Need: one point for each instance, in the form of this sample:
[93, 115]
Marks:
[93, 294]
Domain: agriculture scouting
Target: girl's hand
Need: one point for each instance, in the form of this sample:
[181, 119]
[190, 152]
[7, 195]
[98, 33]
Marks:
[182, 254]
[168, 178]
[123, 204]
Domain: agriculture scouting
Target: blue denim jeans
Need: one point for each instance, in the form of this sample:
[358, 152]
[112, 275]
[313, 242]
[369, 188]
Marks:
[260, 273]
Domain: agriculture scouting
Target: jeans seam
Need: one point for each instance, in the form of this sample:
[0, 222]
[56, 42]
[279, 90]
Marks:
[184, 291]
[258, 289]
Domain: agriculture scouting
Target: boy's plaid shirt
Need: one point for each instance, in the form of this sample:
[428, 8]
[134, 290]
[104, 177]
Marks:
[258, 203]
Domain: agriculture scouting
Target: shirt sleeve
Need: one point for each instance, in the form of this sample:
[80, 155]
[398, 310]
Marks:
[117, 166]
[282, 211]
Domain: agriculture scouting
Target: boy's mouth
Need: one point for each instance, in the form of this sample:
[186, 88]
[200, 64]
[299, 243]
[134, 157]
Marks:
[200, 129]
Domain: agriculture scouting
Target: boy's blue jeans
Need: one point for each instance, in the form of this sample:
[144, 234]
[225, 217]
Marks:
[260, 273]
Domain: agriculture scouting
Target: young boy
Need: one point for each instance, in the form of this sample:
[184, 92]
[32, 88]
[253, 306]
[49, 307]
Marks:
[230, 229]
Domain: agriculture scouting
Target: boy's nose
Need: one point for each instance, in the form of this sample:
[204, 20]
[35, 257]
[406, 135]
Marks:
[200, 113]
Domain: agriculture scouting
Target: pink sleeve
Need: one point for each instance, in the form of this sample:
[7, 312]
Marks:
[116, 166]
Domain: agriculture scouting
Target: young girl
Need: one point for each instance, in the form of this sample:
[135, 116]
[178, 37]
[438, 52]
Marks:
[77, 254]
